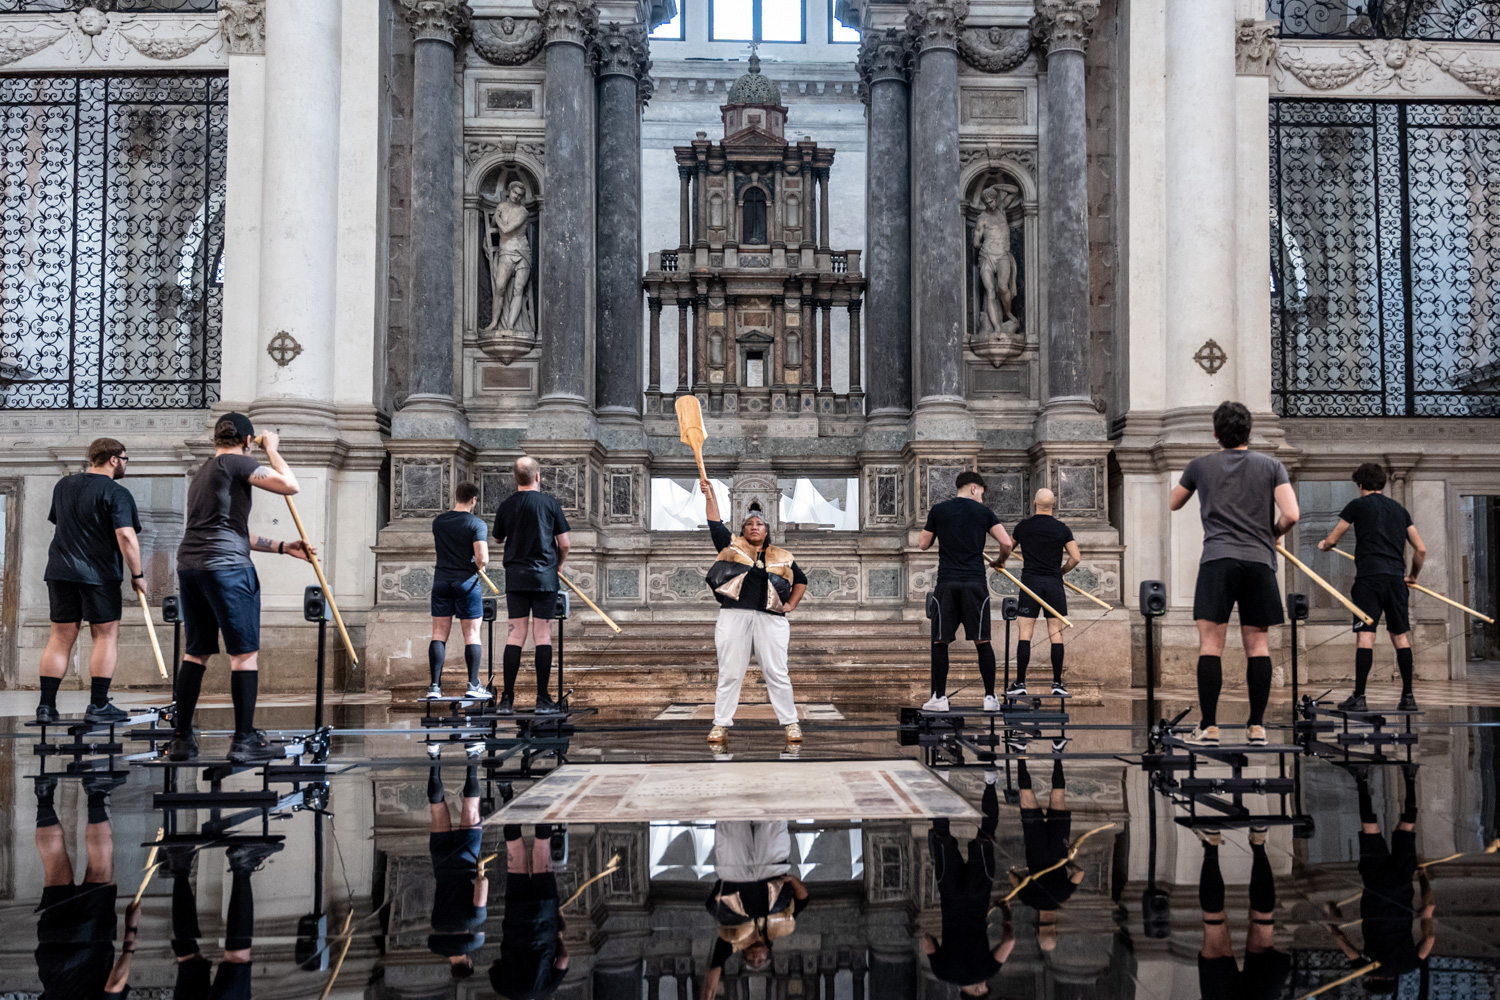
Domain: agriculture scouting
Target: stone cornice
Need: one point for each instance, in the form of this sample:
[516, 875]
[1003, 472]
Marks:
[570, 22]
[935, 24]
[243, 23]
[444, 21]
[1254, 47]
[1064, 25]
[507, 41]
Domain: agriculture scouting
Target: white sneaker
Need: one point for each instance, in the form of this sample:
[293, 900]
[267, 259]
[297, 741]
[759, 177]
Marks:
[474, 749]
[434, 750]
[435, 691]
[937, 703]
[990, 776]
[991, 703]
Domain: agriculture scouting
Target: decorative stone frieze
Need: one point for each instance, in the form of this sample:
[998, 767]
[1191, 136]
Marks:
[935, 24]
[508, 41]
[1254, 46]
[568, 21]
[438, 20]
[994, 49]
[1063, 25]
[1382, 65]
[243, 23]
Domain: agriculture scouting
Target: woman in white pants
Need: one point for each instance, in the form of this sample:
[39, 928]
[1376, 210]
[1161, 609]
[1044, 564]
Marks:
[757, 585]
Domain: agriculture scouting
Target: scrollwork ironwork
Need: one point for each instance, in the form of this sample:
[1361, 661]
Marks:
[1435, 20]
[123, 6]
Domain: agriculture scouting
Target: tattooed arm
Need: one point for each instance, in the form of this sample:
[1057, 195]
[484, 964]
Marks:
[279, 477]
[298, 549]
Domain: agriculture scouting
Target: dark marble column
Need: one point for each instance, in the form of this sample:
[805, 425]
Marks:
[938, 235]
[823, 208]
[856, 356]
[620, 63]
[883, 63]
[436, 27]
[684, 211]
[1062, 29]
[684, 306]
[567, 223]
[825, 338]
[653, 345]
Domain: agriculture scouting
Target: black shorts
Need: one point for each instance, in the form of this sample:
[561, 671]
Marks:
[232, 981]
[958, 878]
[539, 604]
[1263, 977]
[1223, 583]
[77, 913]
[1049, 589]
[95, 603]
[220, 600]
[1388, 868]
[953, 603]
[1045, 834]
[454, 596]
[1385, 594]
[456, 850]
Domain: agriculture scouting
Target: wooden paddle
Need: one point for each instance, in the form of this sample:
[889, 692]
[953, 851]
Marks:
[1315, 578]
[151, 631]
[690, 426]
[1430, 593]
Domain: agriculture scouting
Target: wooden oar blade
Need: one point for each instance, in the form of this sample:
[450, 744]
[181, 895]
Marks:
[690, 421]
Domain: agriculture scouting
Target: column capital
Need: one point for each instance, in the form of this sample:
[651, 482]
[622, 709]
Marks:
[570, 22]
[243, 23]
[884, 55]
[444, 21]
[1254, 47]
[1064, 25]
[935, 24]
[620, 50]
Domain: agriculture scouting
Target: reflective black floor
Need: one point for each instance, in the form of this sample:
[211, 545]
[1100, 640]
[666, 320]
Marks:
[1113, 864]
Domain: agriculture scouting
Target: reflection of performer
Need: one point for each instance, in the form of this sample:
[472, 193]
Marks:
[997, 265]
[755, 899]
[232, 980]
[964, 956]
[1266, 969]
[533, 959]
[75, 926]
[509, 254]
[1385, 905]
[1045, 833]
[460, 898]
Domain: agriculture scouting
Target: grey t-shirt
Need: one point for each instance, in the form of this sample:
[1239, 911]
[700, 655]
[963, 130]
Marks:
[1237, 501]
[217, 533]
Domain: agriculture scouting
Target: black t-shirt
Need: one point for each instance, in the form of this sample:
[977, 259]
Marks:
[962, 527]
[755, 897]
[453, 909]
[1049, 891]
[1386, 914]
[964, 955]
[87, 509]
[217, 533]
[528, 522]
[757, 579]
[1043, 541]
[1380, 525]
[454, 533]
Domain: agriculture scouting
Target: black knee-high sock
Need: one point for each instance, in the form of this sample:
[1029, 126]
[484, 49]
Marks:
[1262, 881]
[98, 805]
[49, 691]
[239, 925]
[543, 669]
[989, 810]
[185, 931]
[1210, 881]
[1023, 659]
[544, 831]
[46, 811]
[940, 668]
[1058, 781]
[1364, 659]
[244, 685]
[471, 660]
[1404, 664]
[1210, 681]
[1023, 776]
[1366, 804]
[435, 793]
[99, 691]
[1057, 662]
[471, 781]
[437, 652]
[1258, 680]
[189, 683]
[1409, 800]
[511, 831]
[510, 666]
[987, 666]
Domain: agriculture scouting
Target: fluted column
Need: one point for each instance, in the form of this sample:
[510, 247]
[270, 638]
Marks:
[620, 61]
[437, 27]
[567, 224]
[883, 63]
[1062, 28]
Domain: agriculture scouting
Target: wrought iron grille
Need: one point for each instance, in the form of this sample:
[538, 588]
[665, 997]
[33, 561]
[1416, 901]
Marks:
[1440, 20]
[1385, 219]
[123, 6]
[112, 240]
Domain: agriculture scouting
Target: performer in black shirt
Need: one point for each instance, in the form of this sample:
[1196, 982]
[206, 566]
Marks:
[961, 526]
[964, 956]
[534, 531]
[460, 897]
[533, 959]
[757, 585]
[218, 585]
[1382, 530]
[232, 980]
[97, 525]
[1266, 969]
[755, 901]
[1048, 554]
[463, 550]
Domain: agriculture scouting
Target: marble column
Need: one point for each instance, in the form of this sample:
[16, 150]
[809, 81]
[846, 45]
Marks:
[856, 356]
[883, 63]
[684, 306]
[825, 353]
[938, 225]
[437, 27]
[567, 223]
[244, 27]
[620, 63]
[1062, 28]
[684, 212]
[653, 345]
[823, 208]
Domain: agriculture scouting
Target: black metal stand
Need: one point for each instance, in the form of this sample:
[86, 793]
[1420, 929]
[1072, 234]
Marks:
[1151, 711]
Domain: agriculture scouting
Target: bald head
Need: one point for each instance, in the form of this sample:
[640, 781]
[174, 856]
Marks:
[1044, 501]
[526, 471]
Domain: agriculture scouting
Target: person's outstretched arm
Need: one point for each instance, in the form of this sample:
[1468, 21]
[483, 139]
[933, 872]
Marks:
[1418, 553]
[1333, 536]
[279, 477]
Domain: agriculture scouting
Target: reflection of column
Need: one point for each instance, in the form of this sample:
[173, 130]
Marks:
[437, 28]
[683, 360]
[653, 345]
[823, 208]
[700, 335]
[778, 342]
[731, 349]
[620, 61]
[883, 64]
[809, 187]
[567, 224]
[684, 210]
[856, 358]
[777, 234]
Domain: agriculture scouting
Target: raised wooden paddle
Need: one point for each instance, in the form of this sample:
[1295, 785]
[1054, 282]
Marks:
[690, 426]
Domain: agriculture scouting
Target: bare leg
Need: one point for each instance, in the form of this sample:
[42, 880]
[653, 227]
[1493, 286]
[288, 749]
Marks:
[57, 867]
[106, 649]
[59, 647]
[99, 841]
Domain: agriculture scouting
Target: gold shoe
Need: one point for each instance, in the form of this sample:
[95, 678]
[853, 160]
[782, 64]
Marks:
[794, 733]
[1256, 735]
[718, 734]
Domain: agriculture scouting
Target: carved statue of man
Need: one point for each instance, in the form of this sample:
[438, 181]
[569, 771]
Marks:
[509, 254]
[997, 265]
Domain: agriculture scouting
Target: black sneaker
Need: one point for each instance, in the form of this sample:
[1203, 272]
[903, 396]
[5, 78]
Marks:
[182, 748]
[559, 845]
[1408, 702]
[105, 713]
[47, 714]
[178, 860]
[1017, 690]
[101, 783]
[1354, 703]
[507, 704]
[1061, 743]
[1059, 689]
[46, 786]
[248, 857]
[546, 706]
[254, 748]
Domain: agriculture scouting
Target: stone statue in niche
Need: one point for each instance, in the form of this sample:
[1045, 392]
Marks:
[511, 330]
[997, 321]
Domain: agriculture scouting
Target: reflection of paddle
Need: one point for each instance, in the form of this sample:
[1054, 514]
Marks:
[1341, 981]
[610, 869]
[690, 426]
[151, 631]
[1072, 853]
[339, 965]
[1493, 847]
[1430, 593]
[1315, 578]
[151, 867]
[1045, 606]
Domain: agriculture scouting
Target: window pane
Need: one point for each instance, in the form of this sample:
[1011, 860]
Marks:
[838, 31]
[781, 20]
[731, 21]
[670, 30]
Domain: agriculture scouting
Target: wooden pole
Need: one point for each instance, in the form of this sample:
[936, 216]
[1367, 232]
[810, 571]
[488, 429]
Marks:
[1431, 593]
[1073, 586]
[488, 582]
[1045, 606]
[312, 557]
[1315, 578]
[585, 599]
[151, 631]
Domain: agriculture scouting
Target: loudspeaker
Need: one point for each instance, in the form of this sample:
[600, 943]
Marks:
[1297, 607]
[931, 607]
[1009, 608]
[1156, 913]
[311, 950]
[564, 604]
[171, 609]
[491, 608]
[1153, 598]
[314, 605]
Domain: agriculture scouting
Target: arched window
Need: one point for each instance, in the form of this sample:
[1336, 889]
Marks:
[753, 221]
